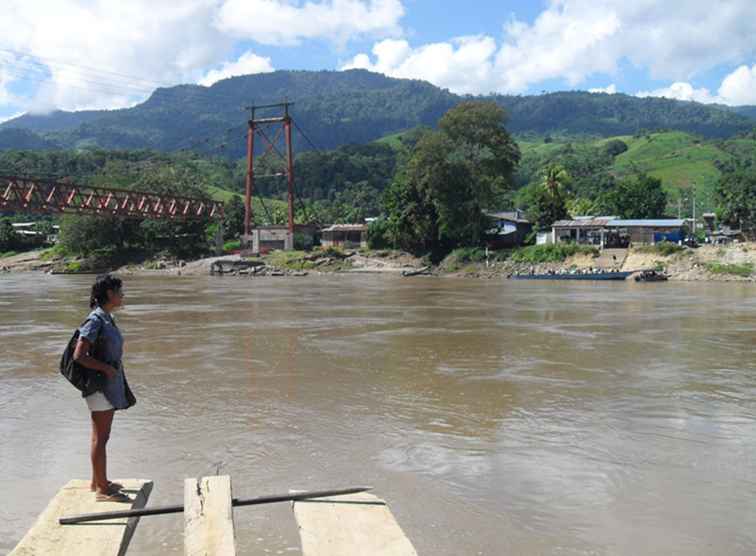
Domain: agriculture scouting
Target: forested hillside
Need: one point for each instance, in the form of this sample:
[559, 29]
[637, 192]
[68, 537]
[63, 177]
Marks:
[351, 107]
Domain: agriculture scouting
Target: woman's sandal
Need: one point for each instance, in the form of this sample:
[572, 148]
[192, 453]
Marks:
[112, 497]
[112, 487]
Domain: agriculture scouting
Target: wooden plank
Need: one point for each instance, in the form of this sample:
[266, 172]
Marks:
[103, 538]
[208, 517]
[352, 525]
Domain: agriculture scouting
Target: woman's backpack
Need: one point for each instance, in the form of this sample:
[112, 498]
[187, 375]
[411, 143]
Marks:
[85, 380]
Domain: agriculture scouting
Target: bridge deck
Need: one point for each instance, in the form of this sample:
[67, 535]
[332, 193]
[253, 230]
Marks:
[104, 538]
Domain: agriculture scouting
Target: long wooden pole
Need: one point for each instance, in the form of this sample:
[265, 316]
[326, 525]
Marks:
[160, 510]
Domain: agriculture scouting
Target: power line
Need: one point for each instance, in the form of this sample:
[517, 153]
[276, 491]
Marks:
[52, 61]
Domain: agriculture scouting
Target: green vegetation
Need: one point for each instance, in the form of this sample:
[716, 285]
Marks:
[350, 107]
[639, 196]
[463, 256]
[231, 246]
[73, 267]
[535, 254]
[688, 166]
[744, 270]
[438, 196]
[736, 193]
[664, 248]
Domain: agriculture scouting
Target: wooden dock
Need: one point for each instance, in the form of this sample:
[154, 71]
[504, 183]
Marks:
[103, 538]
[353, 525]
[344, 522]
[208, 517]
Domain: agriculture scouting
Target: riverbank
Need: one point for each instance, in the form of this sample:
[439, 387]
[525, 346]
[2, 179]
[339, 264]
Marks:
[736, 262]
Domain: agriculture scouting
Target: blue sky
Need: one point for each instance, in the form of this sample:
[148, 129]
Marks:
[113, 53]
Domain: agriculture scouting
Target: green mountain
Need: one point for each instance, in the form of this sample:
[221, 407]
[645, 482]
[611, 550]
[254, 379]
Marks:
[355, 107]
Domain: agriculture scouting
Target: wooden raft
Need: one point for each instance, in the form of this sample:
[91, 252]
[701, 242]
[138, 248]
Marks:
[104, 538]
[353, 525]
[208, 517]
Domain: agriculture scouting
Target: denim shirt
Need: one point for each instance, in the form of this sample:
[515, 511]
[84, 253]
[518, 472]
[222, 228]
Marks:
[100, 323]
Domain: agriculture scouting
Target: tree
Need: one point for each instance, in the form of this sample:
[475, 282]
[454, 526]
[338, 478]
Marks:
[548, 201]
[639, 196]
[736, 197]
[83, 235]
[233, 222]
[480, 141]
[8, 236]
[437, 198]
[615, 147]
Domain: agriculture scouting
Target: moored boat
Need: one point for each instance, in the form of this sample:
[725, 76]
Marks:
[600, 276]
[651, 276]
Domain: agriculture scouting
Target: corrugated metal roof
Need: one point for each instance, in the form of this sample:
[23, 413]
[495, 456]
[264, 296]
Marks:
[346, 228]
[651, 223]
[583, 222]
[512, 216]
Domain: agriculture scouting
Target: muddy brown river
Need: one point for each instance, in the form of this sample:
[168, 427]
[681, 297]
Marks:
[495, 417]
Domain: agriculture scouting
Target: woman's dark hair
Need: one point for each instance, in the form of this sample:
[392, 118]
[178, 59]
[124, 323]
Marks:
[103, 283]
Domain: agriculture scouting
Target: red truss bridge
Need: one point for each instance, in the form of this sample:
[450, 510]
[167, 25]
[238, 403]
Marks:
[50, 196]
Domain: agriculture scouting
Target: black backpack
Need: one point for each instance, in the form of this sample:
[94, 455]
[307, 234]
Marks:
[85, 380]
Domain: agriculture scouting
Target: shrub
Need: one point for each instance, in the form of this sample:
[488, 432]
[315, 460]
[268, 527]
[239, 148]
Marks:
[231, 246]
[664, 248]
[744, 270]
[535, 254]
[379, 234]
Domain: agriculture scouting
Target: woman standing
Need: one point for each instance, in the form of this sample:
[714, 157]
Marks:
[100, 348]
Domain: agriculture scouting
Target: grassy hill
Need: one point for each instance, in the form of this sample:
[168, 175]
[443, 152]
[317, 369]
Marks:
[680, 160]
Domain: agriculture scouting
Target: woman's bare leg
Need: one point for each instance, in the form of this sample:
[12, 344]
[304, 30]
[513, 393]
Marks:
[101, 423]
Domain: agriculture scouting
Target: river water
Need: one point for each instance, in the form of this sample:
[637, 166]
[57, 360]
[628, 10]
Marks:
[494, 417]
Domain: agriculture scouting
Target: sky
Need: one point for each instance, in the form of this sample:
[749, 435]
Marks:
[106, 54]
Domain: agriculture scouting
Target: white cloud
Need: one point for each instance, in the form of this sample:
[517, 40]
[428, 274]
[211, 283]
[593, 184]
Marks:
[737, 88]
[248, 63]
[740, 86]
[681, 91]
[573, 39]
[82, 50]
[464, 65]
[285, 22]
[4, 119]
[609, 90]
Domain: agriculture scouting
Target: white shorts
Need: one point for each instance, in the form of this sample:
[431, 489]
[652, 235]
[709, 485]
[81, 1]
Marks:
[98, 402]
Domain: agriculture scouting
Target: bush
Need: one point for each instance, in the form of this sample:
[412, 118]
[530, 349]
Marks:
[231, 246]
[536, 254]
[616, 147]
[335, 252]
[744, 270]
[664, 248]
[379, 234]
[8, 237]
[462, 256]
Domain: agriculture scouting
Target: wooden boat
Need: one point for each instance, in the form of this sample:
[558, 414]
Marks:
[592, 276]
[651, 276]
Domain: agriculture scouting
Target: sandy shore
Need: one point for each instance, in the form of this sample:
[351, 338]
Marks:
[687, 265]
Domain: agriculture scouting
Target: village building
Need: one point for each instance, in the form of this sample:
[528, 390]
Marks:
[510, 229]
[348, 236]
[610, 231]
[264, 239]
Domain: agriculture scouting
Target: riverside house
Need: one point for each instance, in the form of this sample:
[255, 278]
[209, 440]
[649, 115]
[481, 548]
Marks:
[609, 231]
[349, 236]
[510, 229]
